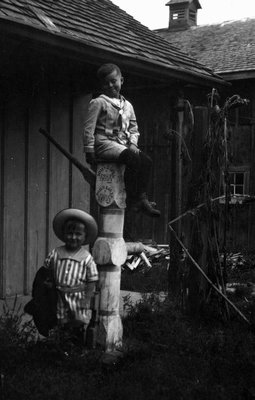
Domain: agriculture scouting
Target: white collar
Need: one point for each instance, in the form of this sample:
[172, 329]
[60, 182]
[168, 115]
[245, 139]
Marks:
[119, 103]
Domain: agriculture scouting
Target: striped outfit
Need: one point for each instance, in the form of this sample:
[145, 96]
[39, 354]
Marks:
[72, 270]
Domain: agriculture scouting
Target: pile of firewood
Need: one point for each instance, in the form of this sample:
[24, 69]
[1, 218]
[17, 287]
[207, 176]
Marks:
[150, 256]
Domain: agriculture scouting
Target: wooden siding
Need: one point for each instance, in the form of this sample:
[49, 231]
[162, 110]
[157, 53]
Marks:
[41, 90]
[38, 160]
[2, 268]
[36, 179]
[15, 193]
[154, 115]
[241, 235]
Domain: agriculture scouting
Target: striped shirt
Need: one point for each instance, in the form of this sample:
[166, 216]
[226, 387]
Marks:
[71, 271]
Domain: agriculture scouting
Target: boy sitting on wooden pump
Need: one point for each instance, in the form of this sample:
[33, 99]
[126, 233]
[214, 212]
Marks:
[111, 133]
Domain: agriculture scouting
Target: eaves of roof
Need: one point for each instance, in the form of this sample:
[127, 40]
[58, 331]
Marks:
[97, 53]
[236, 75]
[140, 48]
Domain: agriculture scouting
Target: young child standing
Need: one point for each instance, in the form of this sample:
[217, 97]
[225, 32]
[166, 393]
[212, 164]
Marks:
[74, 270]
[111, 133]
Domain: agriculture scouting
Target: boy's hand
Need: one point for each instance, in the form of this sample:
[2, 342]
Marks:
[91, 158]
[134, 148]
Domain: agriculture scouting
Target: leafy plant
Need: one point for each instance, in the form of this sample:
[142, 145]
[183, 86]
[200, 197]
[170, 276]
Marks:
[14, 329]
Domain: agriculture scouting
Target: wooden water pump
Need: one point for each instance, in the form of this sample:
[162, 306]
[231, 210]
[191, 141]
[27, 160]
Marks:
[109, 251]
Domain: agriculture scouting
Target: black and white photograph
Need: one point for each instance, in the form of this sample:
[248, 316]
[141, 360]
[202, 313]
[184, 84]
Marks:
[127, 200]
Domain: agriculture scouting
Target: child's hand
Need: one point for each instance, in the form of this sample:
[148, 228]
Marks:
[134, 148]
[91, 158]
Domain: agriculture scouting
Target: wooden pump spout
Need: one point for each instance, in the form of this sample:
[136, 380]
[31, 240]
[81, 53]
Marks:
[88, 174]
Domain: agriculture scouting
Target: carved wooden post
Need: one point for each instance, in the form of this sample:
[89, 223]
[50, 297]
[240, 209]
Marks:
[110, 251]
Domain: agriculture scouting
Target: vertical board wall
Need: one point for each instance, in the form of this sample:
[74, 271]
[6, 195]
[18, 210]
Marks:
[154, 116]
[37, 181]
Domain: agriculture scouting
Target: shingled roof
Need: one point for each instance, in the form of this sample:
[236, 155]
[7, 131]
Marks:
[228, 48]
[100, 27]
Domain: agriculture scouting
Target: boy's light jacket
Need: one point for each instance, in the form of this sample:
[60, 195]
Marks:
[104, 117]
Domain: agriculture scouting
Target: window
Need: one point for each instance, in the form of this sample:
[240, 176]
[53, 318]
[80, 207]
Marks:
[238, 184]
[237, 180]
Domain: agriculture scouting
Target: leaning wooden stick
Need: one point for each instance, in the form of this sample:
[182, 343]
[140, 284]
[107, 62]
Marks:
[245, 197]
[206, 277]
[88, 174]
[193, 210]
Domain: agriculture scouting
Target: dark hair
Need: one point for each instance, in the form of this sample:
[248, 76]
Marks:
[107, 69]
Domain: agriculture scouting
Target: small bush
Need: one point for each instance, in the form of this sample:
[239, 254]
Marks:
[15, 334]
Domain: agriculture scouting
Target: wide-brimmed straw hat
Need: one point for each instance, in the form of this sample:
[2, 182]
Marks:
[76, 214]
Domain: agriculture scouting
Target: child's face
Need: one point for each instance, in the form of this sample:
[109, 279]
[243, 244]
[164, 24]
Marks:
[111, 84]
[74, 234]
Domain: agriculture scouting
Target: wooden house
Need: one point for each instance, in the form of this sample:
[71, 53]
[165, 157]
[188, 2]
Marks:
[229, 49]
[50, 51]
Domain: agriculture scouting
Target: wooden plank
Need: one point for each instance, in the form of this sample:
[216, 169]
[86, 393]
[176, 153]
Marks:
[2, 136]
[159, 149]
[80, 188]
[14, 195]
[154, 143]
[37, 187]
[58, 164]
[162, 190]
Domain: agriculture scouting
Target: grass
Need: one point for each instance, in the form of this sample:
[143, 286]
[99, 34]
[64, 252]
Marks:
[167, 355]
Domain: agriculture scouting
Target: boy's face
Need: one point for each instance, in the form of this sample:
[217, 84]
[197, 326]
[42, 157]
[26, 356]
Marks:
[74, 234]
[112, 83]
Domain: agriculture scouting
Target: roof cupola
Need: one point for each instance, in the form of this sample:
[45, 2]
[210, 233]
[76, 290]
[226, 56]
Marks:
[182, 13]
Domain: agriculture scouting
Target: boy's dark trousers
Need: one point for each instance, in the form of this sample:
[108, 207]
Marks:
[138, 169]
[137, 174]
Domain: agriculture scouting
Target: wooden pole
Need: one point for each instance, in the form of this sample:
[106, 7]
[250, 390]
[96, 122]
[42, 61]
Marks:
[110, 252]
[179, 169]
[193, 239]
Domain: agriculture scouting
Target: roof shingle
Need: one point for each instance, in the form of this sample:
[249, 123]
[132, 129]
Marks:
[225, 47]
[102, 23]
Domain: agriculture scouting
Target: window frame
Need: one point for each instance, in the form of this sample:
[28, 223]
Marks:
[236, 198]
